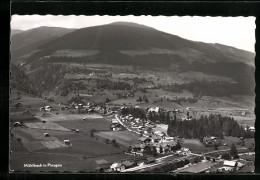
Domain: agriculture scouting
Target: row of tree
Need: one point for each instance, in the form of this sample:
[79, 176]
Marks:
[212, 125]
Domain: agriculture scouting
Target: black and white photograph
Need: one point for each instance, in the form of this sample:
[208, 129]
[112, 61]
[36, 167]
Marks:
[132, 94]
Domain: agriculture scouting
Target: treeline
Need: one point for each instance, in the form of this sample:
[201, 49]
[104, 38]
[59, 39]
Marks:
[179, 100]
[136, 112]
[206, 88]
[240, 72]
[161, 117]
[212, 125]
[47, 77]
[111, 85]
[19, 80]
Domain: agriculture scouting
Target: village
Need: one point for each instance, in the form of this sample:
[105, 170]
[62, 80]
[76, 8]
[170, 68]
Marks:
[153, 150]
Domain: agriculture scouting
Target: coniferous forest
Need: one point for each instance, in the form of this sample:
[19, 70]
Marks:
[212, 125]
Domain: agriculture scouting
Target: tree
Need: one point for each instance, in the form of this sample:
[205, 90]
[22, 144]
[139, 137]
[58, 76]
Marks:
[145, 99]
[161, 150]
[215, 146]
[139, 99]
[226, 156]
[107, 141]
[107, 100]
[153, 151]
[233, 151]
[178, 145]
[114, 142]
[92, 132]
[130, 148]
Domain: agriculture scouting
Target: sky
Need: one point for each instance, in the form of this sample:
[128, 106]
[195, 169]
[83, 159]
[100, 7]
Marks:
[238, 32]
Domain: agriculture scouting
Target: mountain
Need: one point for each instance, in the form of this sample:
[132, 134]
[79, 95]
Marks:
[124, 43]
[133, 41]
[15, 31]
[26, 42]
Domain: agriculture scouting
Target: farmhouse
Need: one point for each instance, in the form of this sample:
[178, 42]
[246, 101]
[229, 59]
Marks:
[156, 109]
[129, 164]
[46, 135]
[252, 129]
[155, 139]
[144, 140]
[211, 141]
[117, 167]
[185, 151]
[114, 121]
[159, 133]
[16, 124]
[229, 166]
[190, 108]
[150, 160]
[48, 108]
[67, 142]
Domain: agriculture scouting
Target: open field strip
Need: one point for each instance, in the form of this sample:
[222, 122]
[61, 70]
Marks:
[48, 125]
[53, 144]
[65, 117]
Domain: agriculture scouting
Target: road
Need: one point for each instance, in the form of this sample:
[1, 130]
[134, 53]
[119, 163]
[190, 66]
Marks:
[118, 119]
[144, 166]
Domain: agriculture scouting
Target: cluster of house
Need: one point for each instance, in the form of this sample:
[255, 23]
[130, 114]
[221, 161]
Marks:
[162, 144]
[230, 166]
[211, 141]
[46, 108]
[89, 108]
[251, 128]
[120, 166]
[123, 165]
[115, 125]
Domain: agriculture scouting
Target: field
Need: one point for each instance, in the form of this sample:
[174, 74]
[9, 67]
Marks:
[125, 138]
[196, 168]
[87, 125]
[84, 151]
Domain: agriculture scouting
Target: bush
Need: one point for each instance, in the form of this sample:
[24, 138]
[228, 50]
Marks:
[226, 156]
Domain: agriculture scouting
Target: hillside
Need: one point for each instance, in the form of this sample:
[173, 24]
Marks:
[130, 44]
[25, 42]
[20, 81]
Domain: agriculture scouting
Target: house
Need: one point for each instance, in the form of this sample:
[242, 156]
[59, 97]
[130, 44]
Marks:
[144, 140]
[114, 121]
[156, 109]
[17, 105]
[155, 139]
[211, 141]
[137, 120]
[252, 129]
[185, 118]
[129, 164]
[46, 135]
[190, 108]
[230, 163]
[225, 169]
[159, 133]
[168, 138]
[229, 166]
[117, 167]
[150, 160]
[48, 108]
[185, 151]
[67, 142]
[117, 128]
[16, 124]
[136, 148]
